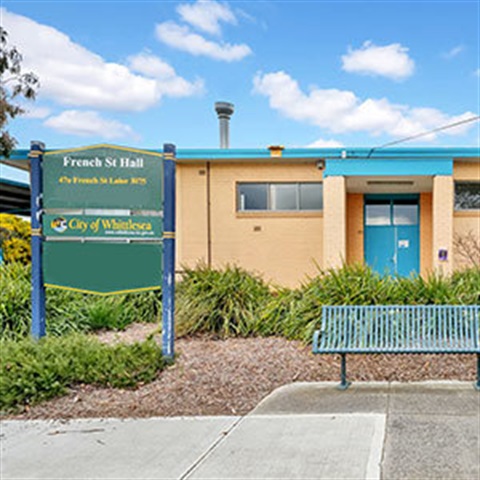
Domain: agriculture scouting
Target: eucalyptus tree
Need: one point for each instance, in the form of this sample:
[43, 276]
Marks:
[14, 85]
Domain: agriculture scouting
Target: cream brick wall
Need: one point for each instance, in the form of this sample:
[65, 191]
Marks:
[335, 222]
[442, 222]
[283, 247]
[191, 214]
[466, 226]
[466, 171]
[465, 223]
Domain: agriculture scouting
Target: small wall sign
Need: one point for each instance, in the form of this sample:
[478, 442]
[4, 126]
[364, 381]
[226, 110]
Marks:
[443, 254]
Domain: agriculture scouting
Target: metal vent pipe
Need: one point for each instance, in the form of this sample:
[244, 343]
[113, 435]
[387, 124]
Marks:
[224, 111]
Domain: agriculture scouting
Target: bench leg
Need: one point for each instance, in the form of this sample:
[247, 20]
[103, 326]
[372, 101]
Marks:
[477, 385]
[343, 374]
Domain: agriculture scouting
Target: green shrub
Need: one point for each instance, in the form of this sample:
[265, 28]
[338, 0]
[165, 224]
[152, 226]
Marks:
[230, 301]
[15, 304]
[14, 238]
[296, 314]
[143, 307]
[68, 311]
[34, 371]
[221, 302]
[466, 286]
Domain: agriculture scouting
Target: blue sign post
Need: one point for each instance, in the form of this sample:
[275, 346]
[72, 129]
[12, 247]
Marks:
[36, 154]
[36, 203]
[168, 286]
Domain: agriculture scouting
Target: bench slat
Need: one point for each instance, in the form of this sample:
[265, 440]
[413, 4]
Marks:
[399, 329]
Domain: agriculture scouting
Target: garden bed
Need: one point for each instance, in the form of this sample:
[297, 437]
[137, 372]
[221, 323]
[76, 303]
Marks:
[230, 377]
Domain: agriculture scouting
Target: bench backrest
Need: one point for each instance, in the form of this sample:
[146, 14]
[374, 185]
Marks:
[399, 328]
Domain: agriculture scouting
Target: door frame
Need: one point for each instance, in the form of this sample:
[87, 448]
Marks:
[391, 197]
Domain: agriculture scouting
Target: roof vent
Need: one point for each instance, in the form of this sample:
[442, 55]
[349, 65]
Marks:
[224, 111]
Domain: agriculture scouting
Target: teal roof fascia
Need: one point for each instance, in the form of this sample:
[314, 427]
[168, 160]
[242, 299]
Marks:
[331, 153]
[307, 153]
[385, 167]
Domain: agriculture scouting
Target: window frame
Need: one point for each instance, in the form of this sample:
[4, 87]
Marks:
[270, 209]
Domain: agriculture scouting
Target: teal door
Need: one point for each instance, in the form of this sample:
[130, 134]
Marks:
[392, 243]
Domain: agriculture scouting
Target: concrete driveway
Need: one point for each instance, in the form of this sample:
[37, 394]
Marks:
[301, 431]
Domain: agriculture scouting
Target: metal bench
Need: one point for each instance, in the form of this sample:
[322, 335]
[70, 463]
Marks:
[401, 329]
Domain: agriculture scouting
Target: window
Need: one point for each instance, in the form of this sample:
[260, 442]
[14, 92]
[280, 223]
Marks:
[377, 214]
[283, 196]
[391, 211]
[467, 196]
[280, 197]
[405, 212]
[253, 196]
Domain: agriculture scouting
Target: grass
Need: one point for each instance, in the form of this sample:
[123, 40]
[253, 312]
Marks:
[295, 314]
[230, 301]
[35, 371]
[221, 302]
[67, 311]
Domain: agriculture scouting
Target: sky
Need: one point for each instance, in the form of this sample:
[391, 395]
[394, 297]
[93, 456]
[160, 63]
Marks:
[300, 73]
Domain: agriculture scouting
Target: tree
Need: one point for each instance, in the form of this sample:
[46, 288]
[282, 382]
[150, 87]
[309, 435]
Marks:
[467, 248]
[13, 83]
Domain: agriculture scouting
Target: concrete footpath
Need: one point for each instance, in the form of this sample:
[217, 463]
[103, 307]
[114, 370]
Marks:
[300, 431]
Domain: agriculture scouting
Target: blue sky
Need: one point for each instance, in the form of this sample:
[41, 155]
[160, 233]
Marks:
[299, 73]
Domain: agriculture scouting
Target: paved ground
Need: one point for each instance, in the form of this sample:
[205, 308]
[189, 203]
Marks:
[302, 431]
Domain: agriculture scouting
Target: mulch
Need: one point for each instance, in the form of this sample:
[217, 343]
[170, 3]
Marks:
[230, 377]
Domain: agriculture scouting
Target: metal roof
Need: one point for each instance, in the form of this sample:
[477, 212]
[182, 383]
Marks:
[14, 197]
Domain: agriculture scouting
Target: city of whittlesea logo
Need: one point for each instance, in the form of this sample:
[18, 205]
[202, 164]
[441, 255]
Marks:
[59, 224]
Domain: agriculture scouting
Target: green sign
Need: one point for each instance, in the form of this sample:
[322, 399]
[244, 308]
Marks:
[103, 176]
[106, 226]
[102, 268]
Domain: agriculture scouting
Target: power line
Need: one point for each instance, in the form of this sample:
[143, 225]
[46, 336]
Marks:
[429, 132]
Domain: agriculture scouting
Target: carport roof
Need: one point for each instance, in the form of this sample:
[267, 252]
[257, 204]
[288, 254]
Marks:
[14, 197]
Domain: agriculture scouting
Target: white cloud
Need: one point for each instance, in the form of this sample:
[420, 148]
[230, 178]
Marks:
[341, 111]
[206, 15]
[391, 61]
[151, 66]
[453, 52]
[477, 72]
[182, 38]
[35, 112]
[168, 82]
[88, 124]
[322, 143]
[72, 75]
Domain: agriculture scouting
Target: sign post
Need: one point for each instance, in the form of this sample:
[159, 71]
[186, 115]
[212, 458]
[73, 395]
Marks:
[36, 200]
[168, 288]
[97, 225]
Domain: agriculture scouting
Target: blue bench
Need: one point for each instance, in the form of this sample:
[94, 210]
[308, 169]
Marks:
[398, 329]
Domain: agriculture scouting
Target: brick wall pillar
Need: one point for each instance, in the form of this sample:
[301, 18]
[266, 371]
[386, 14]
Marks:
[443, 192]
[334, 222]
